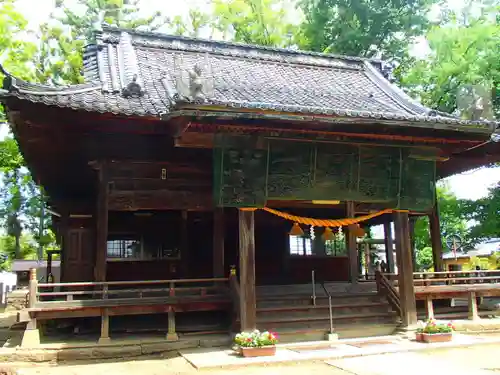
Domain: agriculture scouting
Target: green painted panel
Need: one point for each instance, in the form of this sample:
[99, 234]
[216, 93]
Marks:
[250, 171]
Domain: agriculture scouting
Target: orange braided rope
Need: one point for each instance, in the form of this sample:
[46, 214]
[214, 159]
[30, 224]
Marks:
[322, 222]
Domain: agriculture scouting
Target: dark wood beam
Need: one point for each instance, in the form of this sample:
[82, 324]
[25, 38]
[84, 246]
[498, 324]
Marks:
[159, 200]
[436, 243]
[218, 241]
[247, 270]
[352, 248]
[405, 269]
[102, 224]
[389, 246]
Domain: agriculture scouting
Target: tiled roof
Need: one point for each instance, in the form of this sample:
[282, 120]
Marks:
[147, 74]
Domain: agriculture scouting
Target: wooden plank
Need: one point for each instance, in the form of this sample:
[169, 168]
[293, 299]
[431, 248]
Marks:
[247, 270]
[140, 282]
[405, 269]
[389, 247]
[159, 200]
[218, 242]
[352, 250]
[102, 224]
[184, 243]
[435, 231]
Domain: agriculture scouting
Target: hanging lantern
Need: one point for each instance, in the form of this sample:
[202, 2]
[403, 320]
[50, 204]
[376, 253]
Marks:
[296, 230]
[358, 231]
[328, 234]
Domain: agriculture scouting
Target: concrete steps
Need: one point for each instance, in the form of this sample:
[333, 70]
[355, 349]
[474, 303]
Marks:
[355, 312]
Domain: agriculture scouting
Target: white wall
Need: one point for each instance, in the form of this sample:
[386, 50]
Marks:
[9, 281]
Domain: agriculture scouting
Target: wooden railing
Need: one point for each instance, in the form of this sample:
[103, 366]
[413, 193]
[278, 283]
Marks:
[80, 291]
[385, 287]
[456, 277]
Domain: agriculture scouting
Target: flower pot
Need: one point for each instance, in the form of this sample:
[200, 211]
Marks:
[263, 351]
[419, 337]
[437, 337]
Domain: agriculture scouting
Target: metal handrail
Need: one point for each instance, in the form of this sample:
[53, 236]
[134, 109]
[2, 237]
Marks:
[329, 306]
[313, 280]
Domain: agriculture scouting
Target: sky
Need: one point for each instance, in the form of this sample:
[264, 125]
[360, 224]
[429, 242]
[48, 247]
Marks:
[469, 185]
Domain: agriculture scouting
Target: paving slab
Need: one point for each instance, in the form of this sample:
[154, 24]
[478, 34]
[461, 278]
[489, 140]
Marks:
[212, 358]
[403, 363]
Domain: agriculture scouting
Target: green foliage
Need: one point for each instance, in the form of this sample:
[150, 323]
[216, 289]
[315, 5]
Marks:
[485, 214]
[61, 44]
[362, 27]
[424, 258]
[451, 217]
[462, 58]
[263, 22]
[8, 246]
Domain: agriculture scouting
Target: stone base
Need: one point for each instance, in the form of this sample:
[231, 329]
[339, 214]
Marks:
[331, 337]
[172, 337]
[31, 338]
[104, 341]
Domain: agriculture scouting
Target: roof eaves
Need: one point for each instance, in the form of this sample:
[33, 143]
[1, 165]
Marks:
[325, 115]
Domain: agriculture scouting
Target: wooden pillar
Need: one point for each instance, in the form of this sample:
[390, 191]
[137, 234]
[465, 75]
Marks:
[389, 247]
[413, 221]
[102, 224]
[436, 243]
[405, 269]
[31, 336]
[473, 311]
[104, 339]
[352, 249]
[218, 248]
[247, 270]
[172, 333]
[184, 244]
[367, 261]
[430, 307]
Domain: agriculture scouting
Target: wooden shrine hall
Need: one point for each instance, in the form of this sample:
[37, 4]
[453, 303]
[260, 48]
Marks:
[180, 158]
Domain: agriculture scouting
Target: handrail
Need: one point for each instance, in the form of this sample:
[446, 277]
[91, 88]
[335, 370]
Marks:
[139, 282]
[313, 281]
[329, 306]
[385, 287]
[108, 289]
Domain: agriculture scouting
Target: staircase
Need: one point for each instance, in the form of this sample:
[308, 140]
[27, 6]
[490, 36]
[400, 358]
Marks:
[357, 311]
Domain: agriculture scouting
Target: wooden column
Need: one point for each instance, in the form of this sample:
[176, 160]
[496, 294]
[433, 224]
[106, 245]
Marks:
[247, 270]
[218, 248]
[31, 336]
[104, 338]
[389, 247]
[352, 250]
[184, 244]
[437, 245]
[413, 221]
[405, 269]
[102, 224]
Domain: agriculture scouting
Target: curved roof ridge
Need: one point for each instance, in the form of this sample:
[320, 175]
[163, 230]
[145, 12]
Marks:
[225, 44]
[395, 93]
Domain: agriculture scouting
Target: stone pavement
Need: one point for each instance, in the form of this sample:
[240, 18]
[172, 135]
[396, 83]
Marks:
[480, 360]
[207, 358]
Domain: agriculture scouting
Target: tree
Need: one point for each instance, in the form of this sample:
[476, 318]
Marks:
[424, 258]
[61, 45]
[485, 214]
[262, 22]
[363, 28]
[461, 75]
[452, 219]
[17, 54]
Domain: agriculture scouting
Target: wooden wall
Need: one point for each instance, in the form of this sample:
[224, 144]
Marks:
[274, 265]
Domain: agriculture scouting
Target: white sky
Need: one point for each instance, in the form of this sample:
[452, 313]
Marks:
[472, 185]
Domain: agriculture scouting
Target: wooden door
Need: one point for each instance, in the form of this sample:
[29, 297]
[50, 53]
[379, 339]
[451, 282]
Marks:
[79, 255]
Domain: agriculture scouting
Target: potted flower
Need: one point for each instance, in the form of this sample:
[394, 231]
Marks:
[256, 343]
[433, 331]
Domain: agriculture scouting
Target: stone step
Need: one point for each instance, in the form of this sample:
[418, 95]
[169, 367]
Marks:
[322, 310]
[275, 324]
[304, 300]
[344, 331]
